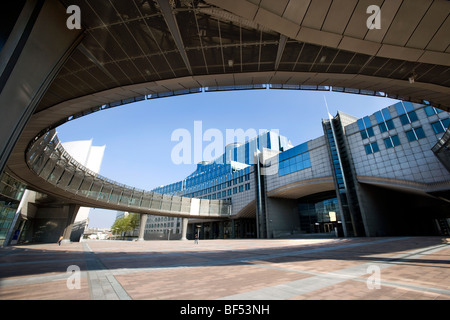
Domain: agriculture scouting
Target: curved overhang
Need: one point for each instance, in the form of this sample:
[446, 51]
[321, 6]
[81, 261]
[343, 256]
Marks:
[439, 190]
[303, 188]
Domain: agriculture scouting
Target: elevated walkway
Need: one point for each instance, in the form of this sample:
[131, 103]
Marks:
[61, 175]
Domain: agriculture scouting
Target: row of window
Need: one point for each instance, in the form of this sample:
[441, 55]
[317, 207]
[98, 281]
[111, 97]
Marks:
[294, 159]
[219, 187]
[407, 115]
[412, 135]
[222, 194]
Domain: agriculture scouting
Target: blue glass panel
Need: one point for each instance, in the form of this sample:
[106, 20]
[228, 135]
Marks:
[368, 149]
[379, 117]
[370, 132]
[413, 116]
[404, 119]
[390, 124]
[420, 133]
[437, 127]
[361, 124]
[375, 147]
[382, 127]
[364, 134]
[386, 114]
[429, 110]
[307, 163]
[304, 147]
[410, 135]
[446, 123]
[367, 122]
[396, 140]
[399, 108]
[388, 143]
[408, 106]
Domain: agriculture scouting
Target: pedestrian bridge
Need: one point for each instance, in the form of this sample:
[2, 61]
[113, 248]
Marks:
[63, 175]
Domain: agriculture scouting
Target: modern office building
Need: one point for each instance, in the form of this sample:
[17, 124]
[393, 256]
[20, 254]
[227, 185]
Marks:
[374, 176]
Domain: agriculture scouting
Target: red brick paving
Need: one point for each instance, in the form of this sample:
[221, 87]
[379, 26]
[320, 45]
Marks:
[181, 270]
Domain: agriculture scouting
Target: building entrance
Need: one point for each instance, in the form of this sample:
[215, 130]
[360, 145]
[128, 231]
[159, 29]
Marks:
[320, 213]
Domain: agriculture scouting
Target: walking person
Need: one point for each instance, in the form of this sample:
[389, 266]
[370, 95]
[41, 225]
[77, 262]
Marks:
[196, 238]
[60, 239]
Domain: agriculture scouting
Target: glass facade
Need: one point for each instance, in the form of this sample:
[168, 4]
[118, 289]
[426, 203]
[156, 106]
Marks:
[11, 192]
[319, 214]
[230, 173]
[293, 160]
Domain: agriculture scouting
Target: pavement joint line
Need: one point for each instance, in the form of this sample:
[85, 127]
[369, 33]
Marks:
[102, 283]
[320, 281]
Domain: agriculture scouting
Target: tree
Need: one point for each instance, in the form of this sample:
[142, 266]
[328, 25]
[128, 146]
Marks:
[125, 224]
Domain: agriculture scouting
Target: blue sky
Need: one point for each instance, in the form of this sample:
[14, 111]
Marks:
[138, 136]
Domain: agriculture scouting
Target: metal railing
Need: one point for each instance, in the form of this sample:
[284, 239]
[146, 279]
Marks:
[49, 160]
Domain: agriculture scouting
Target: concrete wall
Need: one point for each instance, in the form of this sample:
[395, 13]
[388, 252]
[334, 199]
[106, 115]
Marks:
[282, 217]
[49, 223]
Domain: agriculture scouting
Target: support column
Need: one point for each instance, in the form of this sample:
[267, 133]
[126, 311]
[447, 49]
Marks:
[184, 227]
[221, 230]
[72, 211]
[142, 224]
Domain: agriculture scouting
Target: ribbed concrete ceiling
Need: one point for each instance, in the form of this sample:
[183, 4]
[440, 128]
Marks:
[327, 42]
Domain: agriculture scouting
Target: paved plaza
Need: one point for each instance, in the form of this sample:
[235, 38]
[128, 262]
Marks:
[402, 268]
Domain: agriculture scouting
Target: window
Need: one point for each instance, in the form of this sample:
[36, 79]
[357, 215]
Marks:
[410, 135]
[383, 127]
[390, 124]
[384, 120]
[395, 140]
[413, 116]
[415, 134]
[420, 133]
[241, 188]
[371, 148]
[437, 127]
[375, 147]
[294, 159]
[440, 126]
[234, 190]
[391, 142]
[408, 118]
[429, 110]
[446, 123]
[388, 143]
